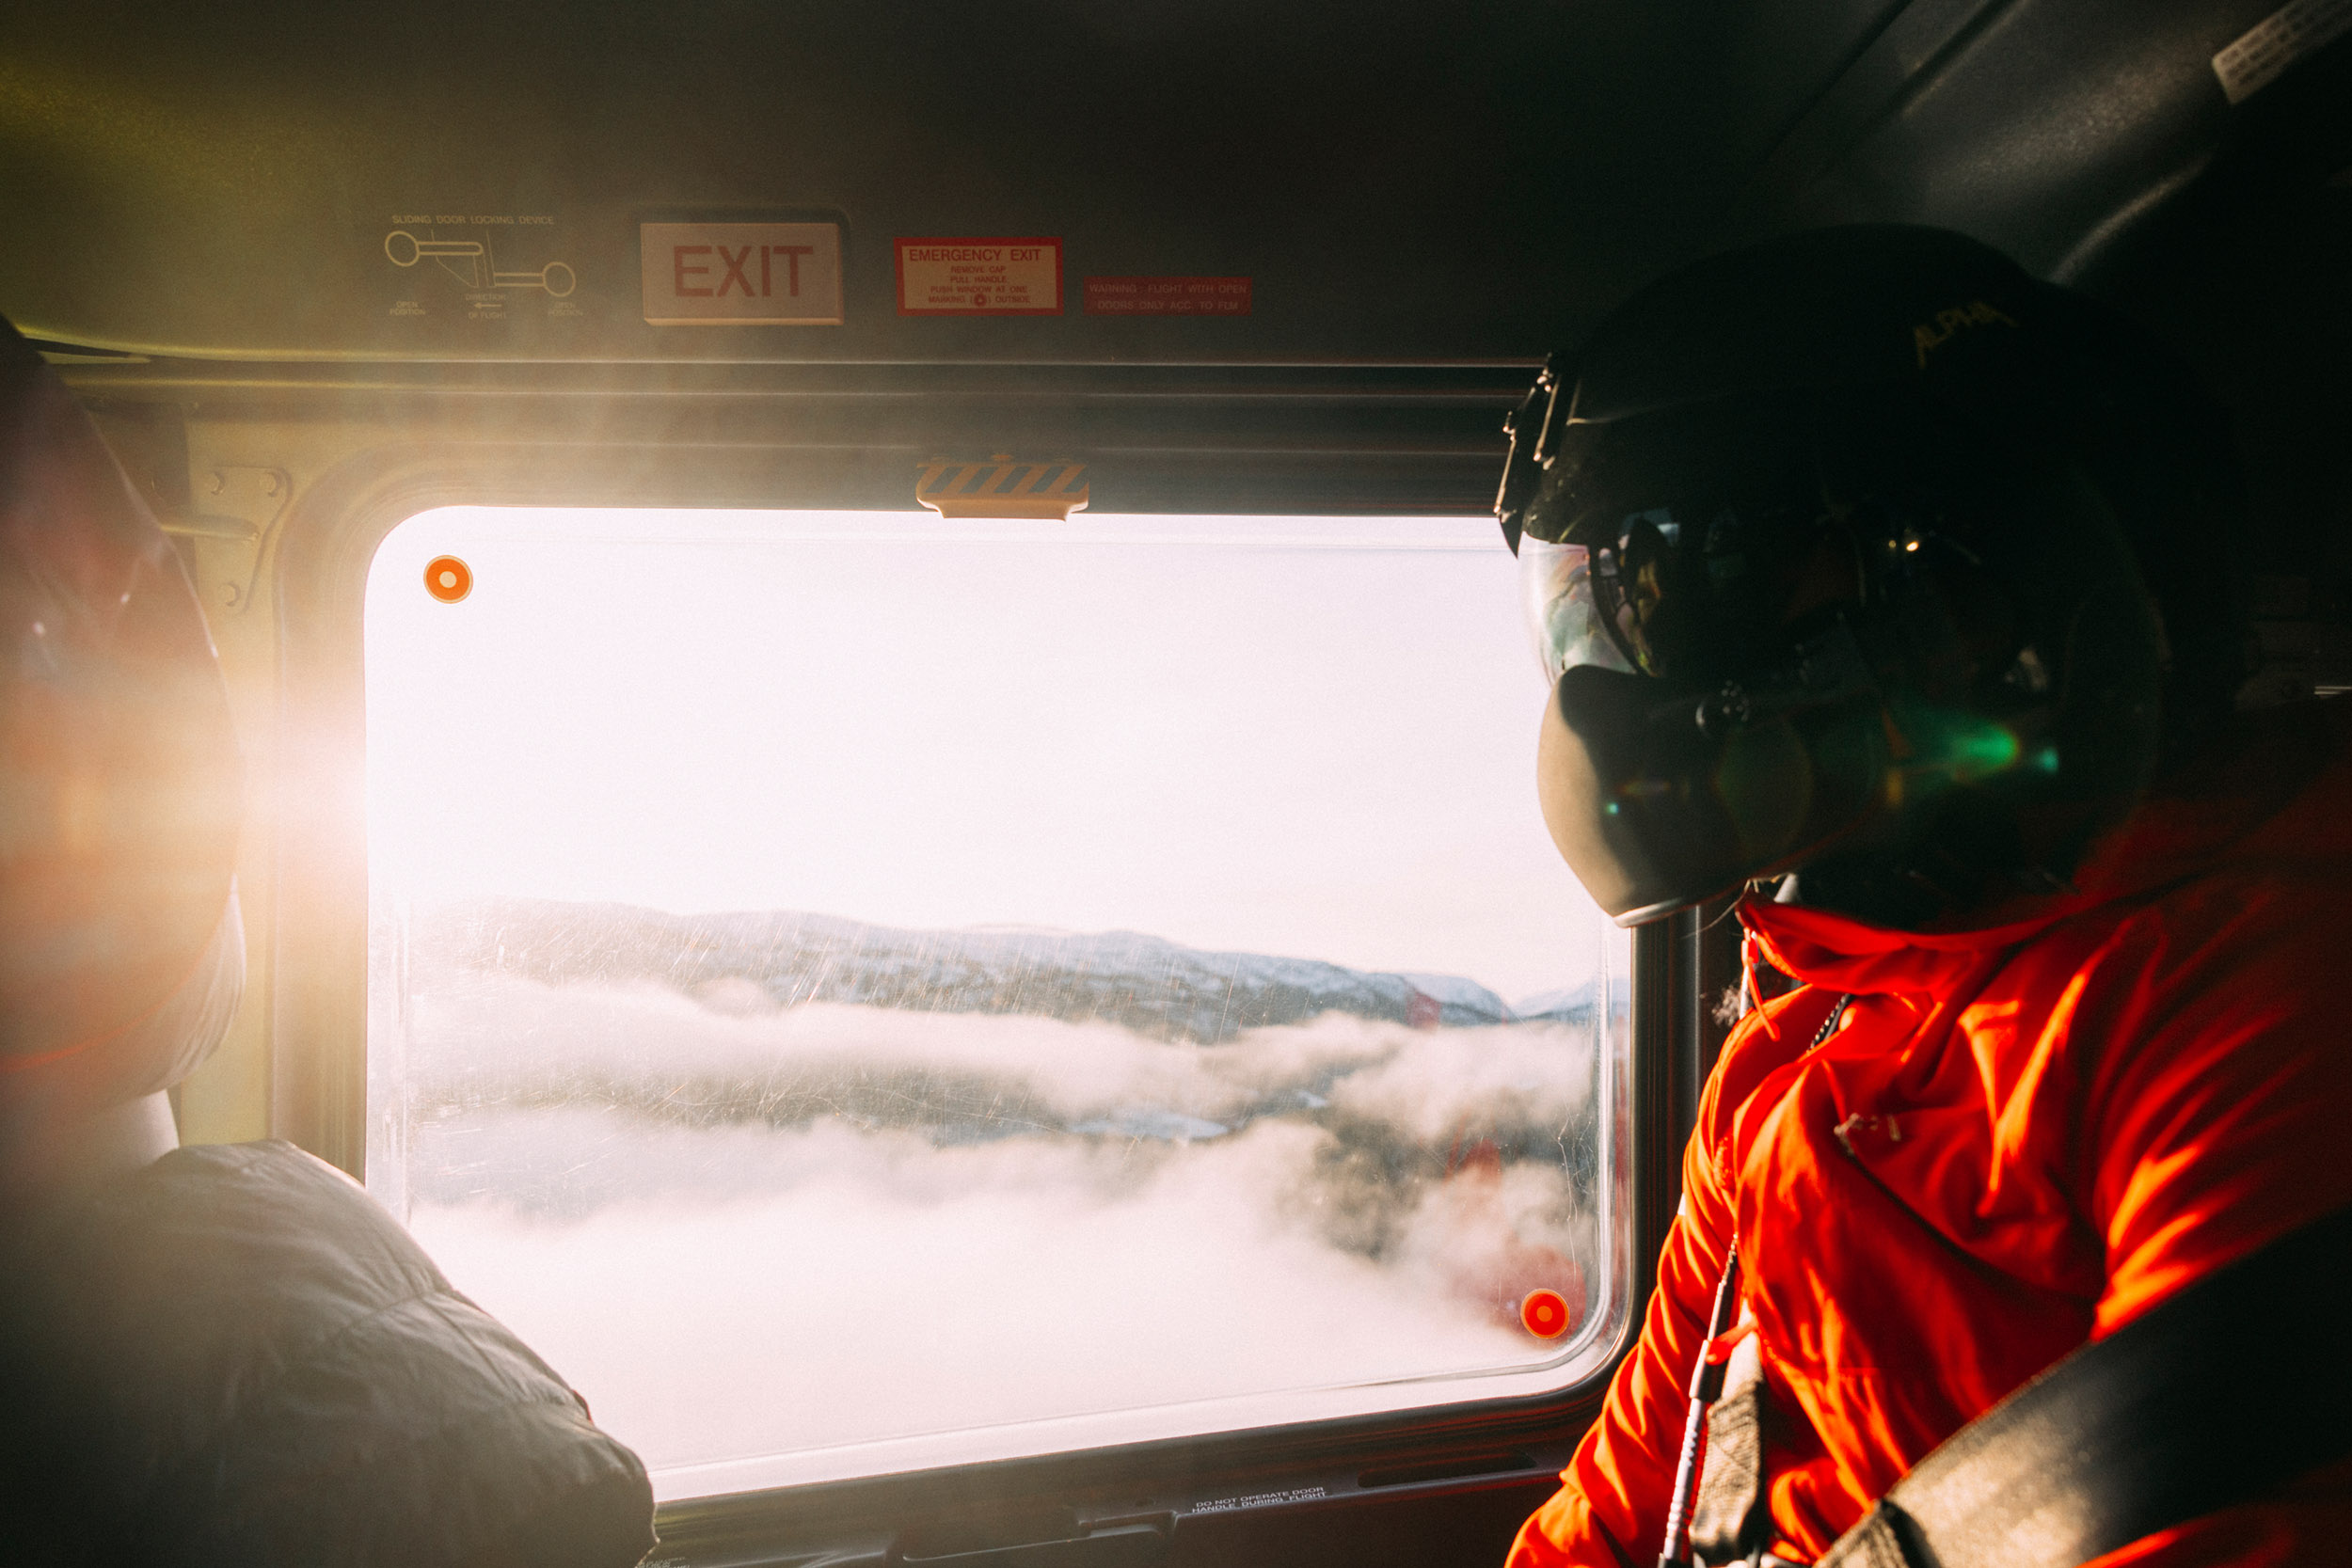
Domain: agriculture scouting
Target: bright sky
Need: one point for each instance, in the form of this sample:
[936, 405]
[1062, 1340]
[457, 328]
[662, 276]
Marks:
[1309, 736]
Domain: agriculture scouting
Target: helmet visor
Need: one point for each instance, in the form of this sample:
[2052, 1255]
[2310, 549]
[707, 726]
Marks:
[1564, 622]
[1678, 545]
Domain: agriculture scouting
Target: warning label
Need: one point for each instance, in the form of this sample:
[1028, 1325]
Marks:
[1263, 1499]
[1167, 296]
[979, 277]
[2285, 36]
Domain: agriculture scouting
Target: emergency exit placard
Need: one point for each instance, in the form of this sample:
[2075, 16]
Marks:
[741, 273]
[979, 277]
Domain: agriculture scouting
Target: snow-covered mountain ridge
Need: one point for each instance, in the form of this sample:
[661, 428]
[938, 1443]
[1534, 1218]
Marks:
[776, 959]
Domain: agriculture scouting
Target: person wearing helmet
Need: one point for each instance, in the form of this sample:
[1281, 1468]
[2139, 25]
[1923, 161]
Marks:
[1893, 592]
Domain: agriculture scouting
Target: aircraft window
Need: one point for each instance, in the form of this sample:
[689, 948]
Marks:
[859, 991]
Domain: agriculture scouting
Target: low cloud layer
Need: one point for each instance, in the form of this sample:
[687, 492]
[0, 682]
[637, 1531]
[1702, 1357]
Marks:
[743, 1232]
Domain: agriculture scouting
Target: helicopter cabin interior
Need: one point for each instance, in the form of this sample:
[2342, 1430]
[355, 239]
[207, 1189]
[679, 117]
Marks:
[889, 748]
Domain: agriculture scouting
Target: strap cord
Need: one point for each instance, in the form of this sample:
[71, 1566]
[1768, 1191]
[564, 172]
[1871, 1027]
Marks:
[1707, 1376]
[1706, 1385]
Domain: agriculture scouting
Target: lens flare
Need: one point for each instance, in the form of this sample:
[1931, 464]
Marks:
[1977, 750]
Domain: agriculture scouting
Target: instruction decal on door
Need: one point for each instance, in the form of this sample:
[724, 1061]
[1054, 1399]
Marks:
[741, 273]
[979, 277]
[467, 265]
[1167, 296]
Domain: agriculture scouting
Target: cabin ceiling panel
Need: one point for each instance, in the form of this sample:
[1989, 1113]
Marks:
[2039, 127]
[1401, 182]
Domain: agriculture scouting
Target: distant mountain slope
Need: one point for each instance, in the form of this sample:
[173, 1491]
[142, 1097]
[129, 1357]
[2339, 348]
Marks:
[1571, 1004]
[1147, 984]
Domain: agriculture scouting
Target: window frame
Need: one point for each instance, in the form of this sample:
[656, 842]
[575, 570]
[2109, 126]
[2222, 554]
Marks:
[1509, 1448]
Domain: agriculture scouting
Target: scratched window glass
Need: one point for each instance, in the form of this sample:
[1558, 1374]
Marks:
[860, 990]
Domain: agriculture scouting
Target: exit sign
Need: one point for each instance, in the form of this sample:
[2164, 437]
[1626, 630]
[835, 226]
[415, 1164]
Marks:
[741, 273]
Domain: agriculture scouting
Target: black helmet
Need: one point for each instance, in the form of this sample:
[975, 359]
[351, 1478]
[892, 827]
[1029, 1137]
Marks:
[1865, 552]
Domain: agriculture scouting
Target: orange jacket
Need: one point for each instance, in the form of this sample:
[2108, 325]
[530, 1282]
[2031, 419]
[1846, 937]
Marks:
[2019, 1138]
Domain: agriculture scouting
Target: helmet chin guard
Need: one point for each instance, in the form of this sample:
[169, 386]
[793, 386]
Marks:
[1650, 794]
